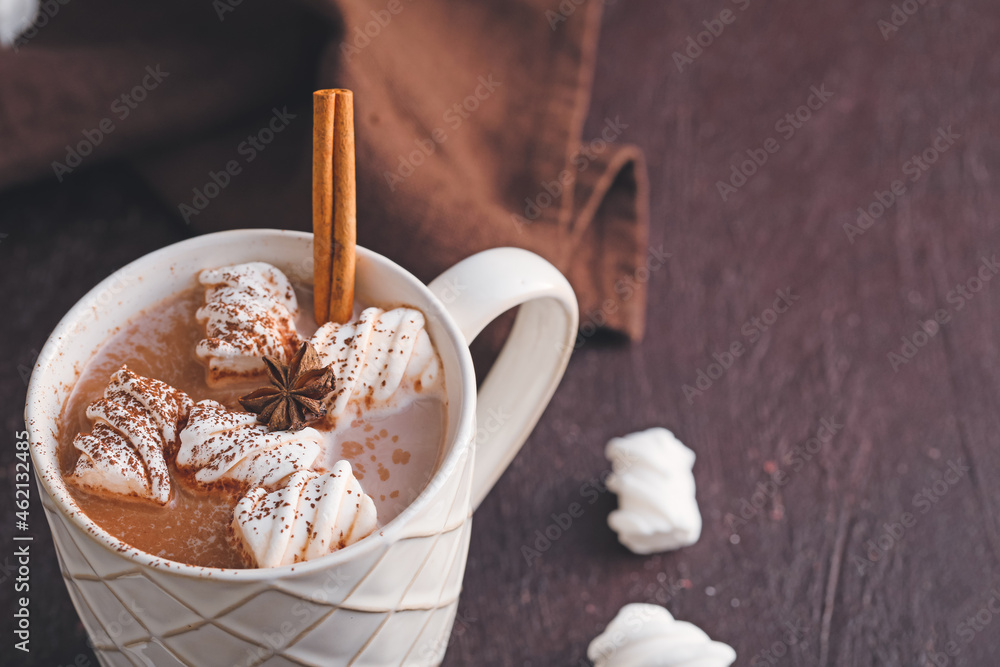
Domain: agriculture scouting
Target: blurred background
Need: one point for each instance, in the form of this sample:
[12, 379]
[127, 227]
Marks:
[841, 154]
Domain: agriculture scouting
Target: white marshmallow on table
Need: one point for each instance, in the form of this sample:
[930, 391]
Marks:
[647, 635]
[16, 16]
[651, 473]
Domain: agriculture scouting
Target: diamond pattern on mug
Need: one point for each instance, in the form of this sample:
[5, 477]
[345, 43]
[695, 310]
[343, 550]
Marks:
[315, 647]
[460, 509]
[117, 619]
[192, 591]
[381, 589]
[152, 653]
[332, 585]
[99, 639]
[210, 645]
[453, 585]
[394, 641]
[71, 558]
[290, 617]
[278, 661]
[116, 659]
[103, 563]
[433, 641]
[159, 610]
[426, 589]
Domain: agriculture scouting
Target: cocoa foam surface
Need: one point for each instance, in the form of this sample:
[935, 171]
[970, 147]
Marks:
[393, 454]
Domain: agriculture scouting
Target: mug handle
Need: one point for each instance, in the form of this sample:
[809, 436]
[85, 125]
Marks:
[476, 291]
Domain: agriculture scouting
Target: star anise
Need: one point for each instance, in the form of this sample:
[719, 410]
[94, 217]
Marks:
[296, 390]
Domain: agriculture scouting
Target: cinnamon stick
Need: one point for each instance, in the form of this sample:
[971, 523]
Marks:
[335, 205]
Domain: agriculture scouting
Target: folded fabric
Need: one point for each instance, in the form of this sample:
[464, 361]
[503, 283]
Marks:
[469, 120]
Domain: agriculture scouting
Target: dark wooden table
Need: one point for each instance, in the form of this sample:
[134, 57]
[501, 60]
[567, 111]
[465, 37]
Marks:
[877, 545]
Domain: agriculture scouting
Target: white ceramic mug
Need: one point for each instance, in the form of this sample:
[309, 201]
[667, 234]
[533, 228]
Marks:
[391, 598]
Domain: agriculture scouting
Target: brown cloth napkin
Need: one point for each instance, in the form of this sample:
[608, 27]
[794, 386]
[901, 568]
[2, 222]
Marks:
[469, 119]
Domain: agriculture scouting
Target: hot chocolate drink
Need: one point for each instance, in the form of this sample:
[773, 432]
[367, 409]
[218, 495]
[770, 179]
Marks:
[159, 451]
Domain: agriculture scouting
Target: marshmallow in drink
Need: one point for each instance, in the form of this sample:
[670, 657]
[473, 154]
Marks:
[312, 515]
[136, 427]
[380, 359]
[220, 445]
[249, 313]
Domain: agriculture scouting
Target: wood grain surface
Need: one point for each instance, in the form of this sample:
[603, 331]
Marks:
[875, 545]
